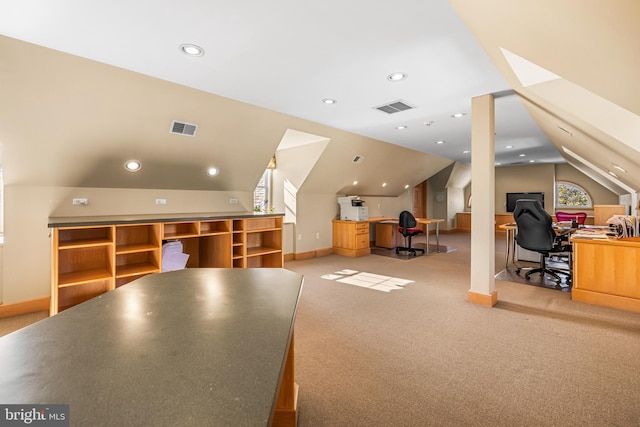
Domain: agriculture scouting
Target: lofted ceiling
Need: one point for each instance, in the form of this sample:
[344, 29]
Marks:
[287, 56]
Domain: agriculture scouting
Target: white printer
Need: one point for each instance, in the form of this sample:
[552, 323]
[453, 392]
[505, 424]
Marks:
[351, 209]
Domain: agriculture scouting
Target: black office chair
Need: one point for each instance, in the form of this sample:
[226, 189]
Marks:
[535, 232]
[406, 227]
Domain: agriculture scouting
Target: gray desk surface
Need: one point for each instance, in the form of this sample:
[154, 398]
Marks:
[190, 347]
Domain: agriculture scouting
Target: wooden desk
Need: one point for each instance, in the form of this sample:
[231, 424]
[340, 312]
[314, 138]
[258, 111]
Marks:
[351, 238]
[387, 235]
[203, 346]
[427, 222]
[607, 272]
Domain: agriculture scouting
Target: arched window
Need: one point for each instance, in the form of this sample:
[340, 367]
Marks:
[570, 195]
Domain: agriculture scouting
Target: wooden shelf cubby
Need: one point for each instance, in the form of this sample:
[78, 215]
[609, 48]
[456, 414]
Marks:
[178, 230]
[215, 227]
[138, 251]
[83, 237]
[88, 260]
[83, 264]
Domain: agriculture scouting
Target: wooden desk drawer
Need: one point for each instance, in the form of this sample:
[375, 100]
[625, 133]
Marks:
[362, 241]
[362, 228]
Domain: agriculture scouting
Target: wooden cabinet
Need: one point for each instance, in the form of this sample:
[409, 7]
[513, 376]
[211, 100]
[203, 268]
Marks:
[89, 260]
[351, 238]
[601, 213]
[607, 272]
[463, 221]
[388, 236]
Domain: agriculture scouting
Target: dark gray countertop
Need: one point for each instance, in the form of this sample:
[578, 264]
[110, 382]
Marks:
[79, 221]
[190, 347]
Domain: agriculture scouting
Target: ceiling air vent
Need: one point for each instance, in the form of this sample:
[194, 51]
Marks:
[182, 128]
[358, 159]
[394, 107]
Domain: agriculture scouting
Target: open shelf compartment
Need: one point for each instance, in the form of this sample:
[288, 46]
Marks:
[178, 230]
[82, 237]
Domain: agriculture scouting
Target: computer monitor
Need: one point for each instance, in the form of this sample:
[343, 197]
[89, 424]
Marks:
[512, 198]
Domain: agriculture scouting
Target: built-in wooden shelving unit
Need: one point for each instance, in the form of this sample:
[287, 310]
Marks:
[90, 257]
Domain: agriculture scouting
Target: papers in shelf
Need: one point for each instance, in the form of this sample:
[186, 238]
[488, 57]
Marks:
[172, 256]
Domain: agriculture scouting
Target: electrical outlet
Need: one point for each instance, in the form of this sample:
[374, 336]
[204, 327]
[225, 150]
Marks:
[233, 201]
[317, 235]
[80, 202]
[299, 236]
[161, 201]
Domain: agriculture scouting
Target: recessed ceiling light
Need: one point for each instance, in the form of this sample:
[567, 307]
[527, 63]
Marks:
[532, 161]
[620, 168]
[401, 127]
[396, 77]
[329, 101]
[406, 186]
[509, 146]
[192, 50]
[355, 182]
[212, 171]
[132, 165]
[613, 174]
[440, 142]
[429, 123]
[457, 115]
[521, 155]
[384, 184]
[466, 151]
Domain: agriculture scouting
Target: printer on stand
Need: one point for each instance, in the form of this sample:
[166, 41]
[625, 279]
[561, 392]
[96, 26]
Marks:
[351, 209]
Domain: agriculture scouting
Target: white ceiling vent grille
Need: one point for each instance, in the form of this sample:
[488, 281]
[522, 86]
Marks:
[358, 159]
[182, 128]
[394, 107]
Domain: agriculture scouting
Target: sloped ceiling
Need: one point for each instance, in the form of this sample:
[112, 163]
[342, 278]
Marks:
[72, 122]
[382, 163]
[588, 51]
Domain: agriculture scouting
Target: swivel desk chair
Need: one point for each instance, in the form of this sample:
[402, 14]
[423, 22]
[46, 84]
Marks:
[406, 227]
[535, 232]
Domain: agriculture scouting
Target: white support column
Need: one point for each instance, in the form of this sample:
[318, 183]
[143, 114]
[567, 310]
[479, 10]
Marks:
[483, 244]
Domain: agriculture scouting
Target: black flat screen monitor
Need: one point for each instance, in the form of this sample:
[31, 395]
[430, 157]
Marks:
[512, 198]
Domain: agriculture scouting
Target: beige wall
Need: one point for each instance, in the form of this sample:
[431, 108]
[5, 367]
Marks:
[533, 178]
[1, 271]
[527, 178]
[27, 248]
